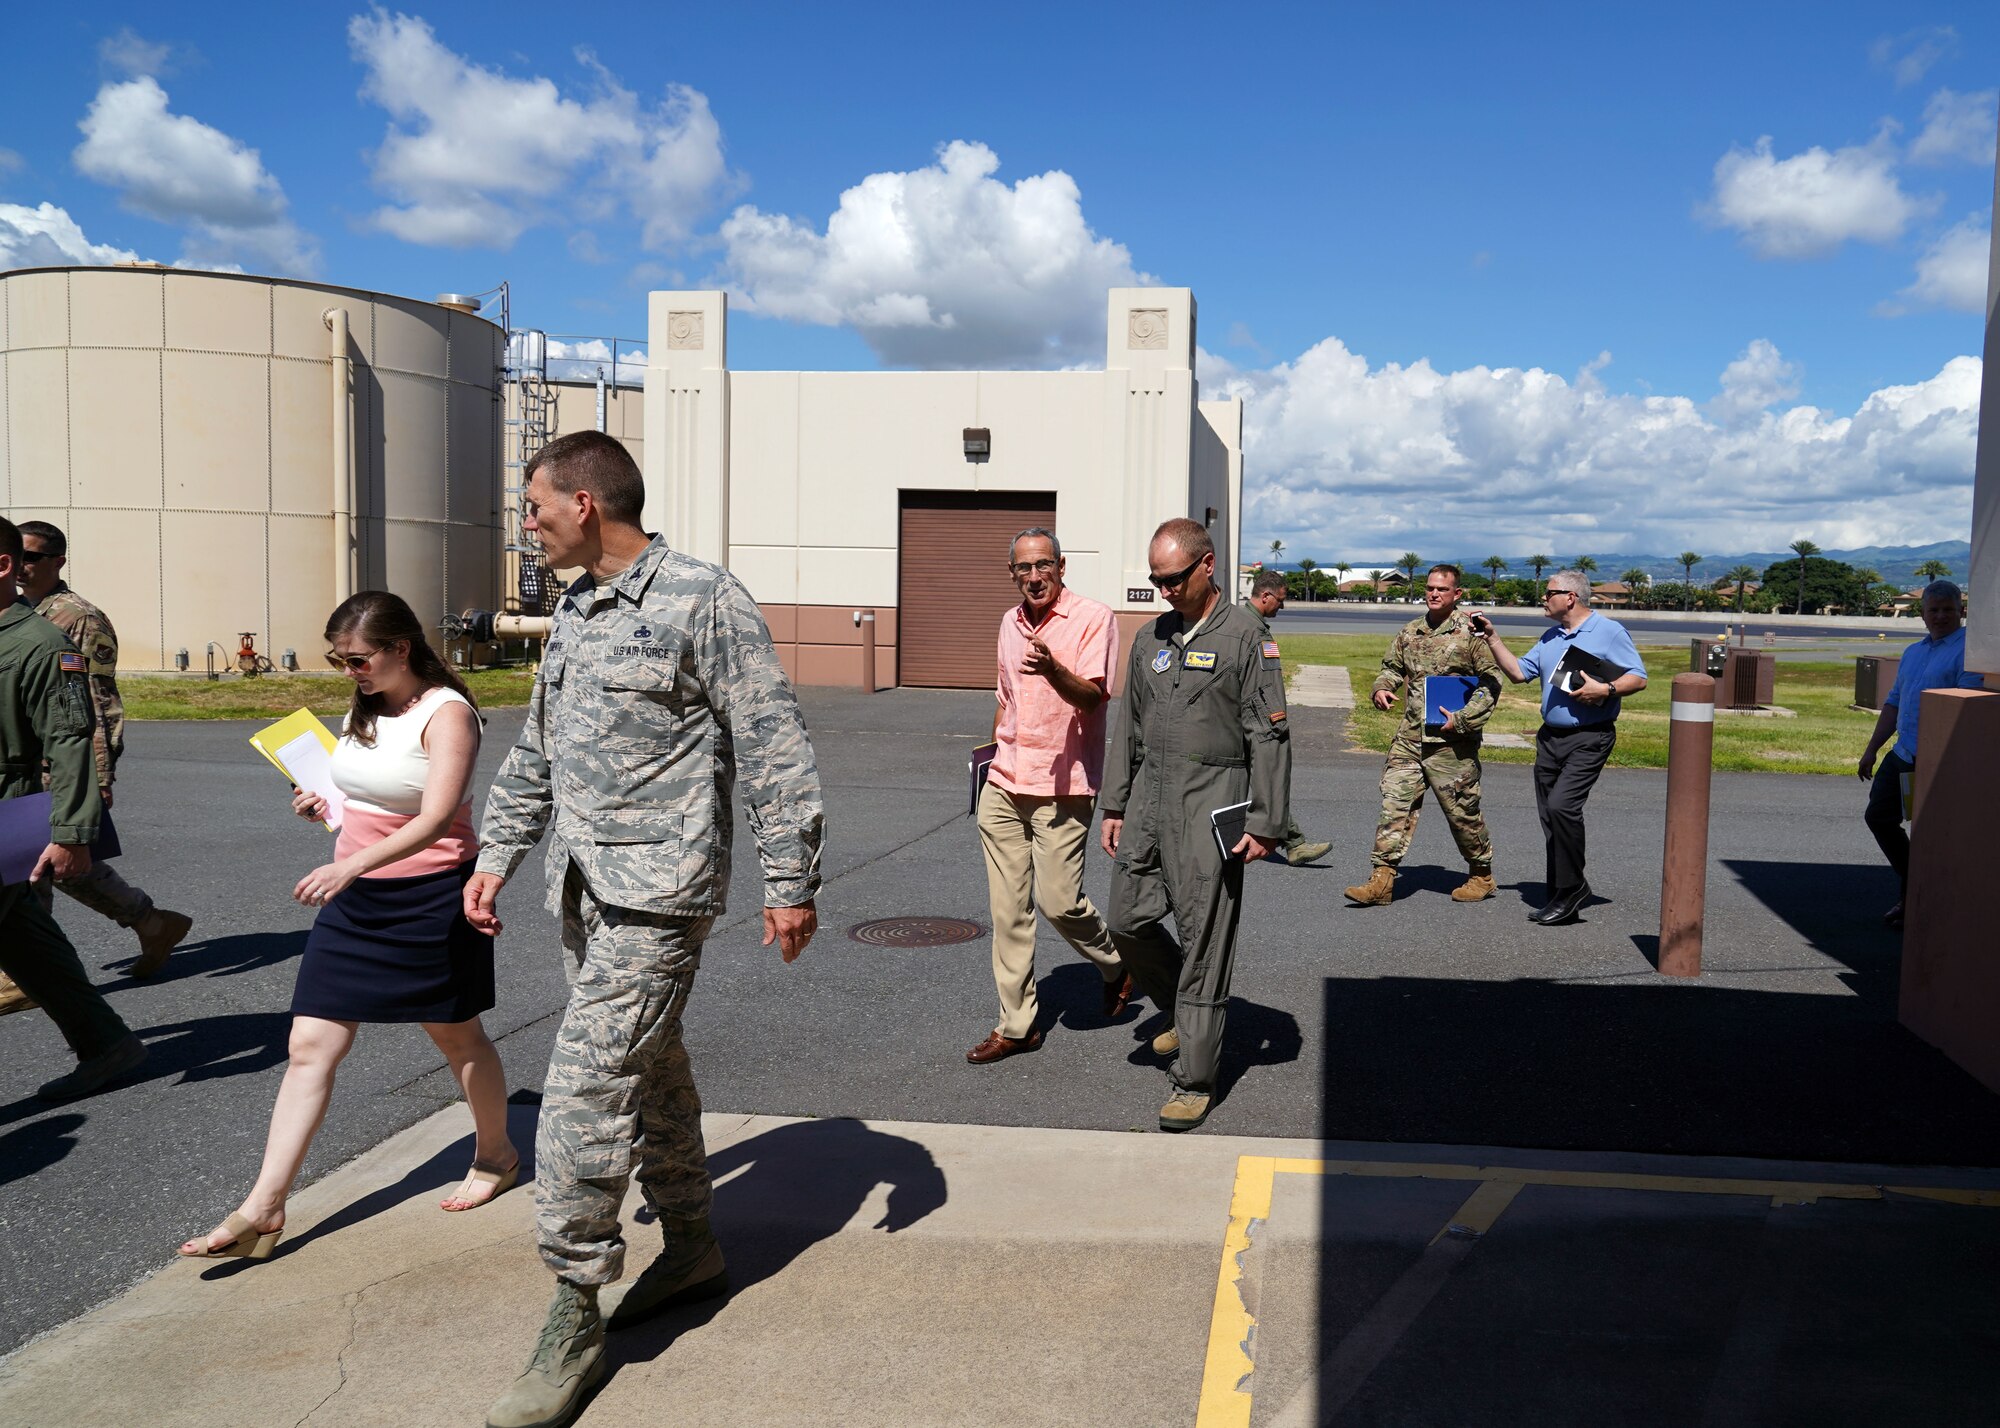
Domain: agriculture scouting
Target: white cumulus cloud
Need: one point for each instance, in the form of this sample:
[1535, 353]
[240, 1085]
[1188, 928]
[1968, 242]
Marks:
[181, 171]
[942, 266]
[1343, 457]
[1952, 271]
[1910, 55]
[47, 237]
[1958, 128]
[474, 157]
[130, 53]
[1810, 203]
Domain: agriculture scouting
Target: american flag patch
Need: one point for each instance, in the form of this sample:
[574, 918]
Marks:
[1270, 649]
[70, 662]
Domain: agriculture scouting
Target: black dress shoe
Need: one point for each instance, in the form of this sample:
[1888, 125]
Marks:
[1564, 907]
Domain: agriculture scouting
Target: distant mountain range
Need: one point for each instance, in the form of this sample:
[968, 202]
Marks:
[1894, 563]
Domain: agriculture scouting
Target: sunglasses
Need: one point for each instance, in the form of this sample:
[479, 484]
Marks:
[357, 663]
[1551, 594]
[1169, 582]
[29, 557]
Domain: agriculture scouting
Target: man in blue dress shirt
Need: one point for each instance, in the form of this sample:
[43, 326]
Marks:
[1937, 661]
[1579, 726]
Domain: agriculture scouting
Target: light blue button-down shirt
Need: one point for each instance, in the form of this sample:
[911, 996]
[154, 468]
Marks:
[1930, 663]
[1597, 635]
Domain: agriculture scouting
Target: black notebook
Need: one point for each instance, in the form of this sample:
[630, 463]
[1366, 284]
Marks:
[1576, 663]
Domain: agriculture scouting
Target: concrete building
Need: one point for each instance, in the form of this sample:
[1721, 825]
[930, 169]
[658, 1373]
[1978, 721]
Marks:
[834, 493]
[232, 454]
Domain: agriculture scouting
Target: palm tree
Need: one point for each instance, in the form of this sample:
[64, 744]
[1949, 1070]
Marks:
[1740, 574]
[1277, 551]
[1495, 564]
[1687, 560]
[1308, 565]
[1932, 570]
[1540, 563]
[1340, 569]
[1636, 580]
[1375, 579]
[1802, 548]
[1408, 565]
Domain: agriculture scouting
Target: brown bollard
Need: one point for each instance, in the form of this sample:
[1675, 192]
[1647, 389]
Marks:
[1684, 867]
[867, 651]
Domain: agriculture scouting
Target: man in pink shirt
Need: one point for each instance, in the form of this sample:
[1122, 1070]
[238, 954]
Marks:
[1056, 653]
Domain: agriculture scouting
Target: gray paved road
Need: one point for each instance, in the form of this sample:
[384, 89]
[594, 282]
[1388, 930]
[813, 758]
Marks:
[1423, 1022]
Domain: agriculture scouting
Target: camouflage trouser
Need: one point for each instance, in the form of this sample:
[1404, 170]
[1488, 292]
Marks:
[620, 1097]
[1452, 774]
[102, 890]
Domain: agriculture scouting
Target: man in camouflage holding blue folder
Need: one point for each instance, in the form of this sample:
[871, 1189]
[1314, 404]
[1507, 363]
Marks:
[659, 688]
[1443, 757]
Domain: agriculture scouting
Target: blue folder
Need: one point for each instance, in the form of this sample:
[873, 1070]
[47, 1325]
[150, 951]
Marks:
[1445, 692]
[24, 832]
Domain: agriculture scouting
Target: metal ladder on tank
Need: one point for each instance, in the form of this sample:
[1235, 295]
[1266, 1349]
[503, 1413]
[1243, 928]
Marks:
[529, 425]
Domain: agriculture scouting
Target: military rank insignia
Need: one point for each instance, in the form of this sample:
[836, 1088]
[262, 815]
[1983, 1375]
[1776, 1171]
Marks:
[1270, 649]
[1162, 661]
[1200, 659]
[70, 662]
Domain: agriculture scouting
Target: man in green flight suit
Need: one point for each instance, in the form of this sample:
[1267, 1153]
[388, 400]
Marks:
[1267, 597]
[1440, 641]
[45, 721]
[1201, 727]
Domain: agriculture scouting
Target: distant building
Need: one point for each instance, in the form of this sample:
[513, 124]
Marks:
[1611, 594]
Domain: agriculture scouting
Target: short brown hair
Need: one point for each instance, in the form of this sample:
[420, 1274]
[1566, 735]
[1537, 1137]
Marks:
[591, 461]
[10, 539]
[1268, 580]
[1190, 536]
[54, 542]
[1446, 568]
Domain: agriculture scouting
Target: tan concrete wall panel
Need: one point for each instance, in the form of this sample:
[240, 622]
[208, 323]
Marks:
[38, 310]
[769, 573]
[302, 438]
[113, 308]
[38, 425]
[298, 321]
[865, 435]
[115, 436]
[219, 594]
[847, 576]
[413, 436]
[410, 337]
[301, 586]
[764, 461]
[217, 438]
[205, 314]
[114, 561]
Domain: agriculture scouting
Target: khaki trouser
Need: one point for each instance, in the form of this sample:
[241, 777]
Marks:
[1034, 856]
[103, 891]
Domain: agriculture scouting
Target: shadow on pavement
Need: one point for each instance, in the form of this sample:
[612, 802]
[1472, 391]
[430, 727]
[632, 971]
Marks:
[214, 957]
[780, 1193]
[34, 1148]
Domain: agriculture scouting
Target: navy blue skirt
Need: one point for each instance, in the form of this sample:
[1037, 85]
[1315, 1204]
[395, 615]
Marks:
[396, 949]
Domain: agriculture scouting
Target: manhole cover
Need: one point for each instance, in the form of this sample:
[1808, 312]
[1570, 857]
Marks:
[916, 931]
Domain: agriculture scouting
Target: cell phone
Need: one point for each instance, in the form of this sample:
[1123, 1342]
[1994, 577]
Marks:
[1480, 624]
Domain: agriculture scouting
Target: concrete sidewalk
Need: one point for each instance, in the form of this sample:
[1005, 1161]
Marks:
[919, 1274]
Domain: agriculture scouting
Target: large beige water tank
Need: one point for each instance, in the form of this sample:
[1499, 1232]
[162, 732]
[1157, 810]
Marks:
[180, 427]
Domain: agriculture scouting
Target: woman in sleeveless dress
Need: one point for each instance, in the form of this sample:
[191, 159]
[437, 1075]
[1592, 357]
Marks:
[391, 943]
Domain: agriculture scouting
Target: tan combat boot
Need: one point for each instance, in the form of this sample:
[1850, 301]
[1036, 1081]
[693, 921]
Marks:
[1184, 1110]
[1376, 892]
[689, 1268]
[159, 933]
[1167, 1042]
[12, 998]
[1299, 854]
[1476, 888]
[568, 1362]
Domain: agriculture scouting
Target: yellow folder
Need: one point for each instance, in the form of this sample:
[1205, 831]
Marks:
[280, 741]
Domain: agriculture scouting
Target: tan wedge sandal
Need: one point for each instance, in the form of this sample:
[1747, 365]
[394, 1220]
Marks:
[482, 1174]
[247, 1242]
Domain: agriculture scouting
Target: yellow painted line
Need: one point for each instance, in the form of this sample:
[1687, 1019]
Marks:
[1225, 1378]
[1226, 1374]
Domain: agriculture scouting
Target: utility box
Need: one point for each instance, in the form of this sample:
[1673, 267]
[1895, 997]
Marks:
[1749, 679]
[1707, 657]
[1874, 677]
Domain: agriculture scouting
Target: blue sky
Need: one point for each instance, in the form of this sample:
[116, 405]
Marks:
[1584, 279]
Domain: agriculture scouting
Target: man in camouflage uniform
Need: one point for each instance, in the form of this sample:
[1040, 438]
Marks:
[1440, 641]
[45, 552]
[1201, 727]
[658, 689]
[1267, 597]
[45, 725]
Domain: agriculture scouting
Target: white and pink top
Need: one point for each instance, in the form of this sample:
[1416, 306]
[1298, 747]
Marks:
[384, 788]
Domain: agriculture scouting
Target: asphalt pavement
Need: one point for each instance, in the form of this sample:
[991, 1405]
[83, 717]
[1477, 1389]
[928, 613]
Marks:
[1424, 1022]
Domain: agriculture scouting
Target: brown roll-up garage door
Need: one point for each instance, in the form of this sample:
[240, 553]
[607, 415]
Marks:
[953, 584]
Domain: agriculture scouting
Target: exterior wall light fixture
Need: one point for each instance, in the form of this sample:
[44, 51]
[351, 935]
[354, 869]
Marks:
[978, 443]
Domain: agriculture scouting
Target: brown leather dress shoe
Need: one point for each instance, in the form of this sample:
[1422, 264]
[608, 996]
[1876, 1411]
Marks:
[1117, 993]
[998, 1048]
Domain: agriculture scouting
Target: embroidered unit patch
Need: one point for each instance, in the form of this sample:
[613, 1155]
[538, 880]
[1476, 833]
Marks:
[1200, 659]
[1270, 649]
[69, 662]
[1163, 661]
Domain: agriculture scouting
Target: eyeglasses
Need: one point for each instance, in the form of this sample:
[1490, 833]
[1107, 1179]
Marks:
[1033, 567]
[1548, 595]
[29, 557]
[357, 663]
[1168, 582]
